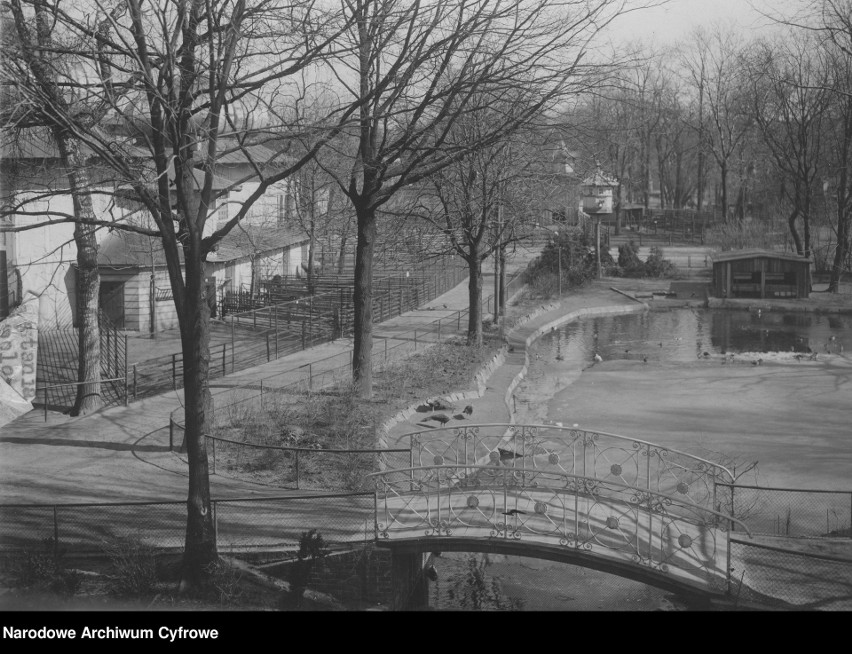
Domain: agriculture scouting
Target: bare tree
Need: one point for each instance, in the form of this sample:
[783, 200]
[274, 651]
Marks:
[33, 54]
[717, 69]
[192, 76]
[835, 21]
[482, 202]
[789, 83]
[417, 68]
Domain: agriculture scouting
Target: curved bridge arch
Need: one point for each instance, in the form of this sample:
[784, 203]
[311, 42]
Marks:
[513, 489]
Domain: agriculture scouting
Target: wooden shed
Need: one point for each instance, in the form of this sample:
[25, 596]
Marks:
[760, 274]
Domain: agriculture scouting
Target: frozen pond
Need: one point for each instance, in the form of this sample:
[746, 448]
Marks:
[789, 413]
[741, 384]
[683, 335]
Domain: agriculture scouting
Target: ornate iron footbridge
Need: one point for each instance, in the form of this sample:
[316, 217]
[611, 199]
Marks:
[589, 498]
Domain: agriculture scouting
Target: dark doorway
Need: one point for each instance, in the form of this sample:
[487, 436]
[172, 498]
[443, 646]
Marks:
[112, 302]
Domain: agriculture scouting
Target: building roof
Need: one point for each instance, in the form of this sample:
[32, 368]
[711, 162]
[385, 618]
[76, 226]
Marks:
[122, 249]
[246, 240]
[599, 179]
[231, 153]
[736, 255]
[38, 143]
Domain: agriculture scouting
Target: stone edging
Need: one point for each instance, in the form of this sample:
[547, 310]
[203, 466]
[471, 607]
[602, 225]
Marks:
[481, 378]
[570, 317]
[769, 305]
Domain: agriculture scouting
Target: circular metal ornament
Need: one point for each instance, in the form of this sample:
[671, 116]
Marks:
[615, 469]
[472, 502]
[541, 508]
[495, 457]
[612, 522]
[684, 541]
[553, 459]
[439, 460]
[683, 488]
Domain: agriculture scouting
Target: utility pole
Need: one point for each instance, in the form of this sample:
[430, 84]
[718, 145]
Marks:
[598, 245]
[502, 253]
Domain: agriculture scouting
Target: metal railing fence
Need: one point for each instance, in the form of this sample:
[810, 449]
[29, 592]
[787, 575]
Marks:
[242, 405]
[112, 390]
[261, 335]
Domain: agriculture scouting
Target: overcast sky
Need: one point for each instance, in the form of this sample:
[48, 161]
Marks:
[676, 18]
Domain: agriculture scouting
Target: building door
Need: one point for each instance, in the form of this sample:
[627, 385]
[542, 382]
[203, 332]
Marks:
[112, 302]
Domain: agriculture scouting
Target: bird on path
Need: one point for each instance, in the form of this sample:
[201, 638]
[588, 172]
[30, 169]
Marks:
[468, 410]
[443, 418]
[598, 358]
[644, 359]
[508, 454]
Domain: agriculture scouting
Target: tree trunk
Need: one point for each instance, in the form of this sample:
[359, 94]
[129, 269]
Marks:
[88, 368]
[806, 222]
[794, 233]
[840, 253]
[723, 170]
[474, 294]
[311, 280]
[200, 548]
[341, 260]
[88, 397]
[362, 371]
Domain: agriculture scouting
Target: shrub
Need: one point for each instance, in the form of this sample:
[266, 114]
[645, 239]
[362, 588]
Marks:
[223, 583]
[629, 261]
[45, 570]
[656, 266]
[134, 567]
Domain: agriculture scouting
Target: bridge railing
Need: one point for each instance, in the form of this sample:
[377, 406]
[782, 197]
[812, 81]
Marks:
[603, 517]
[573, 451]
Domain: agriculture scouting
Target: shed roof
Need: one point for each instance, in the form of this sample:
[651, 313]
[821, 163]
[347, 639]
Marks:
[737, 255]
[130, 250]
[599, 179]
[123, 249]
[245, 240]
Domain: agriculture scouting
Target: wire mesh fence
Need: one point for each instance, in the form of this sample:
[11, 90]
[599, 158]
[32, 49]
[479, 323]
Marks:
[242, 524]
[789, 512]
[302, 468]
[780, 577]
[353, 571]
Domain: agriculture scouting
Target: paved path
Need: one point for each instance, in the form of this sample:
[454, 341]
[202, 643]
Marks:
[122, 454]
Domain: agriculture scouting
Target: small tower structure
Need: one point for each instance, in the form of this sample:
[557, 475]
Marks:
[597, 193]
